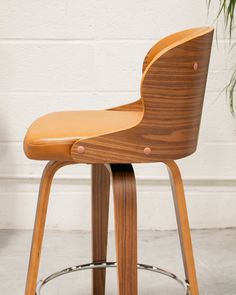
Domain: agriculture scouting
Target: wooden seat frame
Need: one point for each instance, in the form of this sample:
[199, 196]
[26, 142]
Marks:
[172, 92]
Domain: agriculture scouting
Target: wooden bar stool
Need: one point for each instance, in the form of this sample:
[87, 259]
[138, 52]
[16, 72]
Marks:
[161, 126]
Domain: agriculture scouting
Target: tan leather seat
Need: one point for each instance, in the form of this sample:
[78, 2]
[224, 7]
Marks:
[50, 137]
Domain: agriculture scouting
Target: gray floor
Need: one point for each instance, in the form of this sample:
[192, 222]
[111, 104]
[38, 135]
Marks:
[215, 254]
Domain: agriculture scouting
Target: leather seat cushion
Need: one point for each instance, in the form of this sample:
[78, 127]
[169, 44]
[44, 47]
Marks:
[51, 137]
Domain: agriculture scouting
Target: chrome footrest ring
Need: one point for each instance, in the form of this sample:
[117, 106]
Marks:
[95, 265]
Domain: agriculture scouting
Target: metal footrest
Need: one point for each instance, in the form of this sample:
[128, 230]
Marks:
[95, 265]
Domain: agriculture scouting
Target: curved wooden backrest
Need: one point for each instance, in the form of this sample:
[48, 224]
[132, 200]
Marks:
[173, 87]
[170, 40]
[172, 92]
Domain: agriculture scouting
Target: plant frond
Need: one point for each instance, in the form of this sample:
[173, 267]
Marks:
[230, 90]
[227, 10]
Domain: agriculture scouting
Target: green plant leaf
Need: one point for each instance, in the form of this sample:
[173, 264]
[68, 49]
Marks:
[227, 10]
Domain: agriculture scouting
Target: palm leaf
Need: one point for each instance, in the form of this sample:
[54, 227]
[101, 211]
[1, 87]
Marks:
[230, 88]
[227, 9]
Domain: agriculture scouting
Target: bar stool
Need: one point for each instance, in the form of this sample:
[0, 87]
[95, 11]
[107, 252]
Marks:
[161, 126]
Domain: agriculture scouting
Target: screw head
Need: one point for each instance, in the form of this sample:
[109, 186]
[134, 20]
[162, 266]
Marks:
[147, 150]
[195, 66]
[80, 149]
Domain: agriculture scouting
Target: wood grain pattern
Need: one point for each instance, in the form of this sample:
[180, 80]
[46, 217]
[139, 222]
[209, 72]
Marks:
[100, 210]
[39, 225]
[172, 93]
[168, 41]
[125, 206]
[183, 225]
[133, 106]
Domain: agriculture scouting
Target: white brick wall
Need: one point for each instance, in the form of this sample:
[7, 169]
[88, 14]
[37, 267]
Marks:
[74, 54]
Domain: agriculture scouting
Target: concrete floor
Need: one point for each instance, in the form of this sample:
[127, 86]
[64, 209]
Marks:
[215, 255]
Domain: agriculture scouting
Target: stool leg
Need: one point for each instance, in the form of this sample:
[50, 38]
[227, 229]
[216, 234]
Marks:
[41, 213]
[100, 212]
[125, 205]
[183, 225]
